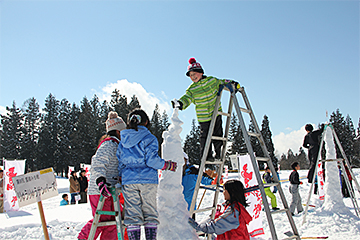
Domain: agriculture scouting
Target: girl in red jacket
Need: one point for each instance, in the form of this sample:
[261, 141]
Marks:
[231, 222]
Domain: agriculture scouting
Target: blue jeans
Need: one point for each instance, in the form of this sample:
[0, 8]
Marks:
[72, 201]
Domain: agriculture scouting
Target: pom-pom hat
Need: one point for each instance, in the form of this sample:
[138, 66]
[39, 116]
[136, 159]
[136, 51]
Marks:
[114, 122]
[194, 66]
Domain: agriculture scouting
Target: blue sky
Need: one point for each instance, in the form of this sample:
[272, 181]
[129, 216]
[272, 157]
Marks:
[296, 59]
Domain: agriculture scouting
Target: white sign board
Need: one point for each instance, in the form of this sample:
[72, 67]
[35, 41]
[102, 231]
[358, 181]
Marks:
[35, 186]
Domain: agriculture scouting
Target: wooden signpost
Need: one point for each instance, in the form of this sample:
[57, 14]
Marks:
[35, 187]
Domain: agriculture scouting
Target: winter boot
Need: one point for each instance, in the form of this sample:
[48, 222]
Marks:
[150, 231]
[134, 232]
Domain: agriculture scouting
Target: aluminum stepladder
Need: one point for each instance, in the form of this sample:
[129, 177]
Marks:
[115, 193]
[254, 160]
[342, 166]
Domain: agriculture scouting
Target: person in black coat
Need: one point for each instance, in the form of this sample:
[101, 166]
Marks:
[83, 181]
[311, 141]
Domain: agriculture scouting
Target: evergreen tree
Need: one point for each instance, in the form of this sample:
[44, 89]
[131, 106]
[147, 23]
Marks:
[343, 131]
[66, 127]
[12, 132]
[74, 146]
[356, 158]
[119, 104]
[48, 135]
[236, 137]
[267, 136]
[164, 122]
[256, 146]
[156, 127]
[104, 111]
[84, 140]
[192, 143]
[31, 133]
[97, 125]
[134, 103]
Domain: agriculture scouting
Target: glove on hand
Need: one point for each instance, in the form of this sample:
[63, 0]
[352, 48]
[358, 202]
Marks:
[237, 85]
[170, 165]
[193, 223]
[101, 182]
[177, 104]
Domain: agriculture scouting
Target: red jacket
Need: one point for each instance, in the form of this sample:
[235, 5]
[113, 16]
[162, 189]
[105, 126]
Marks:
[240, 233]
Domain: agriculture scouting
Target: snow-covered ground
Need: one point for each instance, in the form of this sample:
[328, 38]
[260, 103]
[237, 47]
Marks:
[65, 222]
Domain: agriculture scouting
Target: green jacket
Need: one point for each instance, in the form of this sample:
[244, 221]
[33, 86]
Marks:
[203, 94]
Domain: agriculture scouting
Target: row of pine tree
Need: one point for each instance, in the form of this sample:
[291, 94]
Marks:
[64, 134]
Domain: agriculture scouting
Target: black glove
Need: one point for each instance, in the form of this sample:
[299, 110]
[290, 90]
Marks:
[236, 84]
[101, 182]
[177, 104]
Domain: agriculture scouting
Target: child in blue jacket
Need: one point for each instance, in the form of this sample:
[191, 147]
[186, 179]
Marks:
[139, 162]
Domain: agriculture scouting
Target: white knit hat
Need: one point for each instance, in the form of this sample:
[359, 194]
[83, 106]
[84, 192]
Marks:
[114, 122]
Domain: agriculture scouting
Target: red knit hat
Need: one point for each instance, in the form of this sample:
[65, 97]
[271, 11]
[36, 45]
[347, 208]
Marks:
[194, 66]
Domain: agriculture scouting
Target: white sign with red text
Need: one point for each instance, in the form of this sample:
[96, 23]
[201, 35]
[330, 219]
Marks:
[253, 198]
[12, 169]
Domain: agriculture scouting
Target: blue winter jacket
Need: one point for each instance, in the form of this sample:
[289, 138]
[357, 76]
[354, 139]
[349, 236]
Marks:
[189, 182]
[138, 157]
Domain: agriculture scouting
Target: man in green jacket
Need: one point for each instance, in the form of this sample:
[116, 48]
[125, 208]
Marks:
[203, 92]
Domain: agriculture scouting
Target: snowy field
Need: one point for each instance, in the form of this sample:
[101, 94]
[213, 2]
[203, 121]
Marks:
[65, 222]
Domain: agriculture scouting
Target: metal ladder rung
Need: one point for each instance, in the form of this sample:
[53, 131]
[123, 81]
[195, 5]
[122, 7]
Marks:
[204, 209]
[218, 138]
[279, 211]
[215, 162]
[109, 223]
[110, 213]
[210, 186]
[271, 184]
[331, 160]
[225, 114]
[263, 159]
[254, 134]
[245, 110]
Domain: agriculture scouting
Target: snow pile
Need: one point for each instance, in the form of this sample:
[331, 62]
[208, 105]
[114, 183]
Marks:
[172, 208]
[333, 196]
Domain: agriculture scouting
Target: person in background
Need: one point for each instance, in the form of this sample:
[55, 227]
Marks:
[190, 175]
[311, 141]
[83, 181]
[294, 189]
[267, 179]
[104, 173]
[344, 188]
[278, 175]
[74, 186]
[139, 162]
[1, 191]
[65, 200]
[230, 223]
[203, 92]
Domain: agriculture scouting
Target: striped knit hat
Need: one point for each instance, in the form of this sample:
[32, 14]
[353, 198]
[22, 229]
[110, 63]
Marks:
[114, 122]
[194, 66]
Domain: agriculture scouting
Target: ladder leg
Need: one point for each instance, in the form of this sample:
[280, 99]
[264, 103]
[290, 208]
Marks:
[96, 218]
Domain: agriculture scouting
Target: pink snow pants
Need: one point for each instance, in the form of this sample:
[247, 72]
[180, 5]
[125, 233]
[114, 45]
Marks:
[107, 232]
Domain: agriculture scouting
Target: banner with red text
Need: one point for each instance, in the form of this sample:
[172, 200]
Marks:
[86, 167]
[12, 169]
[254, 199]
[320, 181]
[71, 169]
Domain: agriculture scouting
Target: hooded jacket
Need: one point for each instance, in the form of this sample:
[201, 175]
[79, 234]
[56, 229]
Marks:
[203, 94]
[138, 157]
[230, 224]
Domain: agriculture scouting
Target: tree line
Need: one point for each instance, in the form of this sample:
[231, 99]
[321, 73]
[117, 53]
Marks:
[64, 134]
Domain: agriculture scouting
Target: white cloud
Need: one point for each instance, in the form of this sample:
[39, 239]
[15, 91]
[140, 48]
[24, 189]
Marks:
[147, 100]
[3, 110]
[293, 140]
